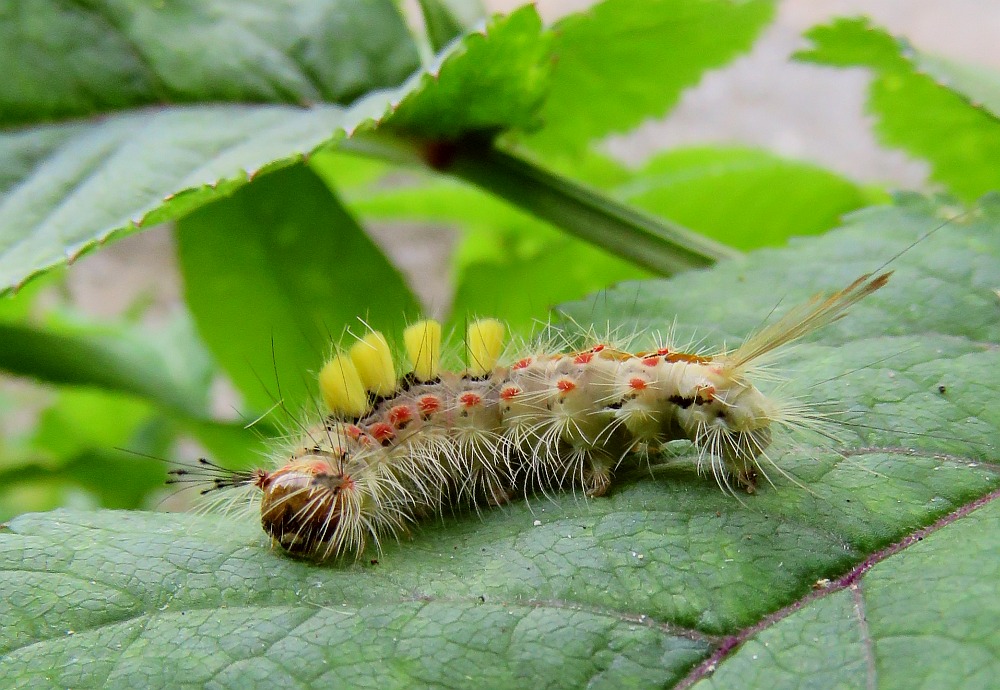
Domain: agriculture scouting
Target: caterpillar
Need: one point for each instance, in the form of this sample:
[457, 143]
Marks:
[393, 449]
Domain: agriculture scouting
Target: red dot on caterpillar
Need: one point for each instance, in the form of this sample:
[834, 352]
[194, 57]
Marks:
[399, 416]
[470, 399]
[509, 393]
[428, 405]
[565, 385]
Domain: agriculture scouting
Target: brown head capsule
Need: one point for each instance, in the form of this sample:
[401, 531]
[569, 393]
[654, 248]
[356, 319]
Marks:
[302, 505]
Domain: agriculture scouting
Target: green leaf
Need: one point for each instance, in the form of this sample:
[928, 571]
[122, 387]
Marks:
[70, 186]
[944, 113]
[276, 272]
[745, 198]
[540, 269]
[63, 60]
[865, 559]
[509, 263]
[981, 85]
[623, 61]
[652, 243]
[498, 82]
[870, 633]
[69, 447]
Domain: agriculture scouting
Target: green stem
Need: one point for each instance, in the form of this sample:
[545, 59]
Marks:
[650, 242]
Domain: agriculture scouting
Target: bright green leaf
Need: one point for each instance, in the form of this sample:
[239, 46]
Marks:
[498, 82]
[981, 85]
[624, 61]
[507, 263]
[638, 588]
[274, 274]
[745, 198]
[87, 418]
[523, 287]
[944, 113]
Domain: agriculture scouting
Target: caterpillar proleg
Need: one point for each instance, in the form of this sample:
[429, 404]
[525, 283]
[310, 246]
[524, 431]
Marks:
[401, 442]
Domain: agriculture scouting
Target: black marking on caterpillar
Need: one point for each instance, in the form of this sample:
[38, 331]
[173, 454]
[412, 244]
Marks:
[394, 450]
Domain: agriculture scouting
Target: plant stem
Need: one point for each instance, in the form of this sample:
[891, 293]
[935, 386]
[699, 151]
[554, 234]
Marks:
[660, 246]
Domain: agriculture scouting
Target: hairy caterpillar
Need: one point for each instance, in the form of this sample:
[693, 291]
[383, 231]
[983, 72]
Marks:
[393, 449]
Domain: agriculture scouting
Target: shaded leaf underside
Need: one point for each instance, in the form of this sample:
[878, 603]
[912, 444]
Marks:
[654, 585]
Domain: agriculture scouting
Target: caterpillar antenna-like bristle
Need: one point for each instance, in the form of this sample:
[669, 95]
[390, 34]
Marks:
[804, 319]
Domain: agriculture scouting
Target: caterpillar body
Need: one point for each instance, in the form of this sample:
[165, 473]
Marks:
[393, 450]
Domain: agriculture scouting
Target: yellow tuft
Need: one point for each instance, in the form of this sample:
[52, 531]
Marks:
[485, 343]
[373, 360]
[342, 388]
[423, 347]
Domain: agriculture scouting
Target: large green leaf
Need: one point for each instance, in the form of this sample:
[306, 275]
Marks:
[624, 61]
[878, 553]
[936, 110]
[70, 185]
[275, 273]
[60, 60]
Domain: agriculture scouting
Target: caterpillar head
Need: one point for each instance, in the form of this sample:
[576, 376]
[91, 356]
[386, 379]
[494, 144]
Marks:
[303, 507]
[733, 424]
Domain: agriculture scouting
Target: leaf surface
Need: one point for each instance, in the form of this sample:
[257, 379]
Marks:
[746, 198]
[657, 584]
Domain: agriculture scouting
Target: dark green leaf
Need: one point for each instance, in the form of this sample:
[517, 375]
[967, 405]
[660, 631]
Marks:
[71, 186]
[62, 60]
[634, 589]
[274, 274]
[946, 114]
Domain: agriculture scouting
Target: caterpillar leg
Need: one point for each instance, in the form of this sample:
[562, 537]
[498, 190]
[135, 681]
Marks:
[597, 476]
